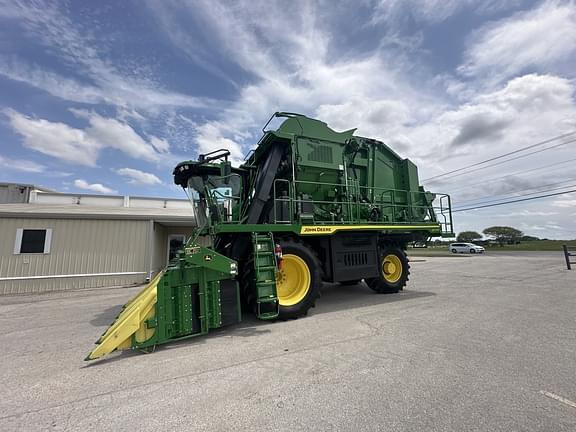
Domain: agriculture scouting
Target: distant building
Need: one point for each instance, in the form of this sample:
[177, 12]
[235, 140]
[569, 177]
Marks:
[60, 241]
[17, 193]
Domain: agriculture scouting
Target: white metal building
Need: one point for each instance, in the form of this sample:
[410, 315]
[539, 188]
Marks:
[59, 241]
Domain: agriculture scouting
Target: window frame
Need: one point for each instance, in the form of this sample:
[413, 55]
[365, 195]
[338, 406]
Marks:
[18, 241]
[173, 237]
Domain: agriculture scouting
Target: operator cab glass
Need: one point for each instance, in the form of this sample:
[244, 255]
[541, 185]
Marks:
[215, 199]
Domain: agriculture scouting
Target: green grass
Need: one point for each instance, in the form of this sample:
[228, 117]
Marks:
[539, 245]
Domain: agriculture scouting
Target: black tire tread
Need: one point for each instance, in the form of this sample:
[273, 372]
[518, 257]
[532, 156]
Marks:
[378, 284]
[301, 309]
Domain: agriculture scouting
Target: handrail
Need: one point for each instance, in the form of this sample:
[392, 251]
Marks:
[567, 256]
[289, 199]
[349, 205]
[397, 206]
[249, 154]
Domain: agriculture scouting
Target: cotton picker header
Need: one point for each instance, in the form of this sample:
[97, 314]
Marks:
[309, 205]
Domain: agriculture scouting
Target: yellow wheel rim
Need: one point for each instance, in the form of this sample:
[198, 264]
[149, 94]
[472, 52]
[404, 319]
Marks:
[293, 281]
[392, 268]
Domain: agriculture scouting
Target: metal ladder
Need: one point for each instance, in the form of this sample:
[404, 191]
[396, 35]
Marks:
[265, 275]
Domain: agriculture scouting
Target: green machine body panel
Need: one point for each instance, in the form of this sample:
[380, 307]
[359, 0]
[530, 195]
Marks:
[330, 177]
[189, 300]
[197, 292]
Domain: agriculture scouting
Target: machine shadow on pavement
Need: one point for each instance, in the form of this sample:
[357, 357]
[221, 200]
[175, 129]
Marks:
[105, 317]
[335, 297]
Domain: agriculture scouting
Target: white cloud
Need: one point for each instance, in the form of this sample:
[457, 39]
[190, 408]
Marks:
[194, 46]
[565, 203]
[381, 116]
[544, 37]
[117, 91]
[117, 82]
[294, 72]
[526, 213]
[430, 11]
[394, 12]
[139, 177]
[93, 187]
[526, 110]
[83, 146]
[161, 145]
[533, 93]
[53, 83]
[21, 165]
[109, 132]
[545, 227]
[55, 139]
[210, 138]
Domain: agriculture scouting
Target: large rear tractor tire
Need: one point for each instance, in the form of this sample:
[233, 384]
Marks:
[394, 271]
[299, 280]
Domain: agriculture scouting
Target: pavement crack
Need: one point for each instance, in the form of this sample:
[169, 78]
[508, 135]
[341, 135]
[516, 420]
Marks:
[558, 398]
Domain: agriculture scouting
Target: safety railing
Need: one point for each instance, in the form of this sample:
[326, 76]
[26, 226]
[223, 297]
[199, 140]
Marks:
[352, 203]
[567, 254]
[445, 212]
[283, 194]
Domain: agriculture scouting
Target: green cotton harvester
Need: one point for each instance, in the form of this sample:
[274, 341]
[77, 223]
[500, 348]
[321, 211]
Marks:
[309, 205]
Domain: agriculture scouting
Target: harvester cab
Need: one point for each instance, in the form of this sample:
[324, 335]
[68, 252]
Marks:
[213, 188]
[328, 206]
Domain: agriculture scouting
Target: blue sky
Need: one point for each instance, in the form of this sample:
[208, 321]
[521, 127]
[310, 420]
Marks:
[108, 96]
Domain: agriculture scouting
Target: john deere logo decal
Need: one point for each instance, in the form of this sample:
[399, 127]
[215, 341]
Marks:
[316, 229]
[330, 229]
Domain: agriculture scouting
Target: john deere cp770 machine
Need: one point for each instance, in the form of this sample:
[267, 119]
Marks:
[309, 205]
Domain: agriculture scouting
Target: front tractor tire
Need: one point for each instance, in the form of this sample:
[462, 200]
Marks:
[394, 271]
[299, 280]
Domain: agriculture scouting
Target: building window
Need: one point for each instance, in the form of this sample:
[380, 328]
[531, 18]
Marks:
[33, 241]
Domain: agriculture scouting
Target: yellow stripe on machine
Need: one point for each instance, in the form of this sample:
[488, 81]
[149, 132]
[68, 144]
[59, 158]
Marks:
[331, 229]
[130, 321]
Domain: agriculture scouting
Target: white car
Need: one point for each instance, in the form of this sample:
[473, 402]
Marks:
[466, 248]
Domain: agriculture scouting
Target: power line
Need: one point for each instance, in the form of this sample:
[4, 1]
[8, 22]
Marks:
[515, 201]
[514, 194]
[493, 179]
[508, 160]
[522, 195]
[504, 155]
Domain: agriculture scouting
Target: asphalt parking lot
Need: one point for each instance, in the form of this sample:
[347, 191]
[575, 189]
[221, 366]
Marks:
[475, 343]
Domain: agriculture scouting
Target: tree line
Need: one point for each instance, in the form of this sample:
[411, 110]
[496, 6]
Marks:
[500, 234]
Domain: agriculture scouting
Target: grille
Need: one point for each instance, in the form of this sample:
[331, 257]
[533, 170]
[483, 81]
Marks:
[321, 153]
[355, 259]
